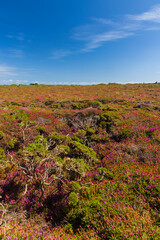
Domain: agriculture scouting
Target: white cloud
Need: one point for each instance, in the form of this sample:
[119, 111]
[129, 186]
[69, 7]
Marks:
[12, 53]
[16, 53]
[97, 40]
[83, 33]
[18, 81]
[103, 21]
[101, 30]
[153, 28]
[61, 53]
[6, 71]
[14, 75]
[13, 81]
[18, 36]
[152, 15]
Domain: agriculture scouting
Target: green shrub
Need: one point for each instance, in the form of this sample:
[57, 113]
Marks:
[1, 236]
[75, 186]
[121, 134]
[81, 134]
[76, 168]
[12, 143]
[20, 116]
[108, 119]
[95, 206]
[68, 228]
[96, 104]
[85, 213]
[86, 192]
[77, 139]
[73, 199]
[90, 131]
[76, 106]
[54, 139]
[2, 157]
[55, 105]
[61, 150]
[105, 173]
[100, 137]
[57, 137]
[41, 129]
[1, 135]
[80, 150]
[41, 139]
[36, 150]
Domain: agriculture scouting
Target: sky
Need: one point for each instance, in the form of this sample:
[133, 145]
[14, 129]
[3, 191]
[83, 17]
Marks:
[79, 41]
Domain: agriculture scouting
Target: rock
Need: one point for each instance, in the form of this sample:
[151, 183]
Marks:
[143, 105]
[43, 120]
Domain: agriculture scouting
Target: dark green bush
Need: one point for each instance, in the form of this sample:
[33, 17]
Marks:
[54, 139]
[85, 213]
[55, 105]
[109, 119]
[2, 157]
[76, 106]
[2, 154]
[80, 150]
[41, 129]
[121, 134]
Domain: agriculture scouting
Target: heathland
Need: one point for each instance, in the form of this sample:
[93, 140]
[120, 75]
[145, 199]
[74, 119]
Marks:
[80, 162]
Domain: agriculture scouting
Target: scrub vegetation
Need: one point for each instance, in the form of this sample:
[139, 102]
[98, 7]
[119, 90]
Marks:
[80, 162]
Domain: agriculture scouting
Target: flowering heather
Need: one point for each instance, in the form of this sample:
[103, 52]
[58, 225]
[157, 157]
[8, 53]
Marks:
[80, 162]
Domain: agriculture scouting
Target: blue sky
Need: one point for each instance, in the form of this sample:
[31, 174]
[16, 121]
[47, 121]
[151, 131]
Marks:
[79, 41]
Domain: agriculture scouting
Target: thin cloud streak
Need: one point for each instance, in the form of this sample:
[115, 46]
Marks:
[16, 53]
[12, 53]
[61, 53]
[98, 40]
[152, 15]
[120, 30]
[101, 30]
[103, 21]
[19, 36]
[106, 31]
[6, 71]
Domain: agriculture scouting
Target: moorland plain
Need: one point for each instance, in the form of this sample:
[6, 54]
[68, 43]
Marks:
[80, 162]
